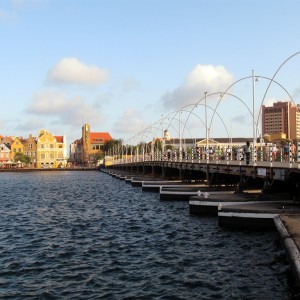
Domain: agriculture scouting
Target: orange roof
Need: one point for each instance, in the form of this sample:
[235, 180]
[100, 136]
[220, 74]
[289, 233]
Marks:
[59, 139]
[9, 138]
[95, 137]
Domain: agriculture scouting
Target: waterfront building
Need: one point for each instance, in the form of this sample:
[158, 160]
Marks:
[4, 153]
[86, 149]
[7, 140]
[51, 150]
[17, 146]
[30, 146]
[281, 118]
[76, 151]
[215, 142]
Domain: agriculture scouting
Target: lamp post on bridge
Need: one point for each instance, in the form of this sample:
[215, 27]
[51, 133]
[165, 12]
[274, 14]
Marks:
[162, 140]
[253, 115]
[206, 128]
[180, 143]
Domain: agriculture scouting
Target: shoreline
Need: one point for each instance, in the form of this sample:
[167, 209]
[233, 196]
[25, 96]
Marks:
[49, 169]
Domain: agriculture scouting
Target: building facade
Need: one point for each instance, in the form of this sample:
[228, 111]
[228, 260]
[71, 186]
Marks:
[51, 150]
[86, 149]
[4, 153]
[17, 146]
[281, 117]
[30, 149]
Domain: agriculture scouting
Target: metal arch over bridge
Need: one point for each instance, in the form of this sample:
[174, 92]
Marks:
[208, 157]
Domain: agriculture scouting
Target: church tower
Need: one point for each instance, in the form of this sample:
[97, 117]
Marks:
[86, 143]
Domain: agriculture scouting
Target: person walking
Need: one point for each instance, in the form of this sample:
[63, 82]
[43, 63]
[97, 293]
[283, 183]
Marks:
[247, 151]
[286, 151]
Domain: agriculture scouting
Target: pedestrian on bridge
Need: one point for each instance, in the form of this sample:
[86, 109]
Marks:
[247, 152]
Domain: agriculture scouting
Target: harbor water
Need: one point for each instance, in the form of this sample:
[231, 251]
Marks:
[87, 235]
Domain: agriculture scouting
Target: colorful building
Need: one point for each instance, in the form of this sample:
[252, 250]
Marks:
[30, 146]
[51, 150]
[86, 149]
[17, 146]
[4, 153]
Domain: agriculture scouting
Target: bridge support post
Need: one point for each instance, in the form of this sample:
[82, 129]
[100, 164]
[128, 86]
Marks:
[180, 172]
[163, 174]
[297, 196]
[207, 174]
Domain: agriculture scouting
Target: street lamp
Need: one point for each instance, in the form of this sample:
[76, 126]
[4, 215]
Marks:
[207, 152]
[253, 116]
[180, 143]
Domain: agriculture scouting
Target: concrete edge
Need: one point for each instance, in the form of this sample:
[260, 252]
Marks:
[290, 248]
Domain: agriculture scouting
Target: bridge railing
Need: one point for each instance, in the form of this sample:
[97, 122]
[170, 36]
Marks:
[271, 155]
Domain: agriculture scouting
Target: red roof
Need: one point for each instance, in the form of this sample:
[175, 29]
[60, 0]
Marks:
[59, 139]
[96, 137]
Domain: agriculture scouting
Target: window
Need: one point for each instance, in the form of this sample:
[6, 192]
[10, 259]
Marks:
[42, 146]
[42, 156]
[51, 146]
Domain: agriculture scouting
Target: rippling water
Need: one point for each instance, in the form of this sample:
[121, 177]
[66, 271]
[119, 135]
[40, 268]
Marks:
[86, 235]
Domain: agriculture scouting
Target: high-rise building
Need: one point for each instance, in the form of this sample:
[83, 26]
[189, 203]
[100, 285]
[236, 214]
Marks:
[281, 117]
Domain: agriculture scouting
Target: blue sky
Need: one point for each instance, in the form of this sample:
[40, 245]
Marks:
[120, 65]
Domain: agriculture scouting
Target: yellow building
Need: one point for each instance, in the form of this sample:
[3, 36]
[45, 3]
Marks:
[51, 150]
[17, 146]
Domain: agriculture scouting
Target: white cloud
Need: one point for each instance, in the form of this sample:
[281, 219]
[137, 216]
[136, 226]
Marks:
[73, 71]
[270, 101]
[203, 78]
[30, 126]
[130, 122]
[48, 103]
[67, 110]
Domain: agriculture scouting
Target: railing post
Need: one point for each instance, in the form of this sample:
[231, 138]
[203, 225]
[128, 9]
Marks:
[207, 155]
[227, 155]
[298, 152]
[271, 156]
[192, 155]
[290, 154]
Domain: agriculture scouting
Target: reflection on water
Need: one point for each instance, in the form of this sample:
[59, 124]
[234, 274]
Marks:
[86, 235]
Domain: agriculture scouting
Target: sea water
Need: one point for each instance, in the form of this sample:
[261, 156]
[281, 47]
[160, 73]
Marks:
[87, 235]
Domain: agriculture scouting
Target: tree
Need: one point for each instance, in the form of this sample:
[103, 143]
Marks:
[113, 146]
[25, 159]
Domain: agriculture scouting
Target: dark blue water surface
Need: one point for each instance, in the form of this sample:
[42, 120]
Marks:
[86, 235]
